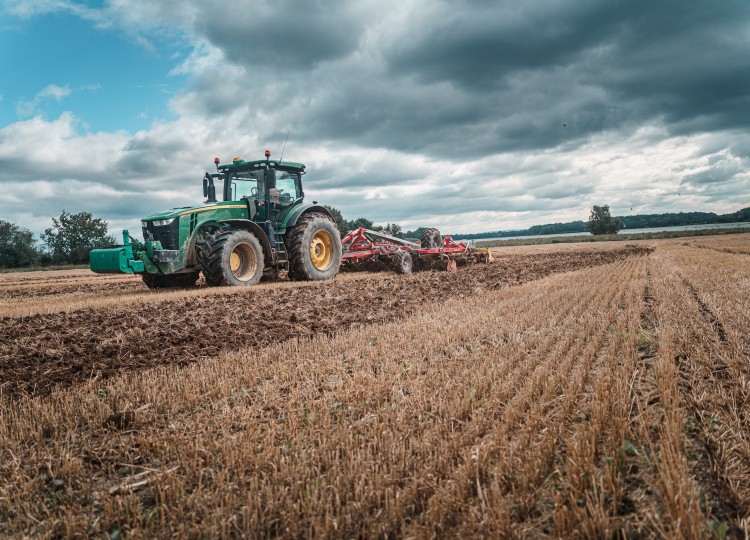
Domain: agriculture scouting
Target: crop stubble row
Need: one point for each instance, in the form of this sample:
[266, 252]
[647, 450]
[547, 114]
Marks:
[43, 351]
[705, 346]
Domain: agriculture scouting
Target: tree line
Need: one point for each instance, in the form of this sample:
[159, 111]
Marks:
[67, 241]
[639, 221]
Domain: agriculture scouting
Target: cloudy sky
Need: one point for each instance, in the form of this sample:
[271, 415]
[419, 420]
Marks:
[468, 115]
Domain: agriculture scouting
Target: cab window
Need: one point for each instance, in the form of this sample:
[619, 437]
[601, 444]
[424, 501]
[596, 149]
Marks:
[287, 186]
[246, 184]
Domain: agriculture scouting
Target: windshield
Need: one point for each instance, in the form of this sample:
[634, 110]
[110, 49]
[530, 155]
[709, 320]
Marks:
[246, 184]
[250, 184]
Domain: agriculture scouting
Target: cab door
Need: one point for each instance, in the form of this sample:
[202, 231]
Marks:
[286, 192]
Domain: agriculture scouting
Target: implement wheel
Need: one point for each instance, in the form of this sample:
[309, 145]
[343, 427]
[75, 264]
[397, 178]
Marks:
[314, 247]
[233, 258]
[403, 262]
[431, 239]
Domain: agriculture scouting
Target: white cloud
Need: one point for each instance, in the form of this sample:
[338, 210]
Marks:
[27, 9]
[145, 44]
[203, 57]
[53, 91]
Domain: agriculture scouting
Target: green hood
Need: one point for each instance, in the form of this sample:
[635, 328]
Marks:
[175, 212]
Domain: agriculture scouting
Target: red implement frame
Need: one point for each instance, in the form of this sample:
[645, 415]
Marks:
[362, 244]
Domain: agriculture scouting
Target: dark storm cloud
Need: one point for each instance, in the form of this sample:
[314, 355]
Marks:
[633, 49]
[480, 45]
[477, 78]
[284, 34]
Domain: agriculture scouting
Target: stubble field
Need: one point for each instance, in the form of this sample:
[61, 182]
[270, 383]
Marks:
[559, 391]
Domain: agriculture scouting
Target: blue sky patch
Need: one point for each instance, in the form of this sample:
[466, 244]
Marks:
[109, 80]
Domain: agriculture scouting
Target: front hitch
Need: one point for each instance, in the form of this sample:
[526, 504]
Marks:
[116, 260]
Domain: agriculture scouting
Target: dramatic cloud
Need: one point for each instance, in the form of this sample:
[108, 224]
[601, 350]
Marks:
[465, 115]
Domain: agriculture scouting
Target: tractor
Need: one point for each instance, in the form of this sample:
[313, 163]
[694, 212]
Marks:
[259, 227]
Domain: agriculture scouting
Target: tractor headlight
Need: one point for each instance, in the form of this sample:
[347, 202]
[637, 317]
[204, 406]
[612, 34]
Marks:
[163, 222]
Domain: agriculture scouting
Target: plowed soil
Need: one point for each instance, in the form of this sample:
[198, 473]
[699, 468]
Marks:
[41, 352]
[50, 289]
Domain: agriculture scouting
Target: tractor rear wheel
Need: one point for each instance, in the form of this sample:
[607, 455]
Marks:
[431, 239]
[314, 247]
[233, 257]
[403, 262]
[156, 281]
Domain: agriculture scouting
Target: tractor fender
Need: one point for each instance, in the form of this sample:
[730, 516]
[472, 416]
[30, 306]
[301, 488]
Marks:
[291, 221]
[251, 226]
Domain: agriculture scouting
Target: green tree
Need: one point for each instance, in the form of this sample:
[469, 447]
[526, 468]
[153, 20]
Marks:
[394, 230]
[17, 246]
[72, 236]
[338, 218]
[415, 234]
[601, 221]
[361, 222]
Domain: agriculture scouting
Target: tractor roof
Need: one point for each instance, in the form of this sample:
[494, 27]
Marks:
[245, 165]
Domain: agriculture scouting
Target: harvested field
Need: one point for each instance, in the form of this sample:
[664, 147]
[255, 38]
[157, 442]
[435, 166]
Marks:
[599, 393]
[41, 351]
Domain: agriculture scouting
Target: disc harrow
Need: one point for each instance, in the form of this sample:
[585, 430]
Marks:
[364, 249]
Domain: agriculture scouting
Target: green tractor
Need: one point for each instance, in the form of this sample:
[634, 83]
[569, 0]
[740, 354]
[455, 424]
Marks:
[260, 226]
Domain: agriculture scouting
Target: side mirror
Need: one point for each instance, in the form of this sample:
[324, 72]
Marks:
[209, 190]
[270, 178]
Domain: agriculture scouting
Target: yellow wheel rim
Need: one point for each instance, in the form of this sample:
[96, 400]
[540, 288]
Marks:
[242, 262]
[321, 250]
[234, 262]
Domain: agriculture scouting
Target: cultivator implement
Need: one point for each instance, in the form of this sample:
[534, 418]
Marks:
[375, 250]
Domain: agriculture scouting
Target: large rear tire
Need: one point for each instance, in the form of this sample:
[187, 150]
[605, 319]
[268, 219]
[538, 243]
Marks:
[233, 257]
[314, 248]
[170, 281]
[431, 239]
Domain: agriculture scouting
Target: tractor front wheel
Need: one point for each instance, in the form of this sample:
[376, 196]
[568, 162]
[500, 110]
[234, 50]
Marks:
[314, 247]
[233, 258]
[170, 281]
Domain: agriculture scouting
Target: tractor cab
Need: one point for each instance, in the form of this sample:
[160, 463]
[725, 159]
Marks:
[268, 187]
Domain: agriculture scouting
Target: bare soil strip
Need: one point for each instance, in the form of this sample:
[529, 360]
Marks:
[43, 351]
[94, 293]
